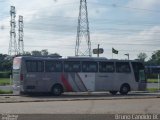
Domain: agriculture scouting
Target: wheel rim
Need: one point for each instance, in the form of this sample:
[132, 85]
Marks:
[56, 91]
[125, 89]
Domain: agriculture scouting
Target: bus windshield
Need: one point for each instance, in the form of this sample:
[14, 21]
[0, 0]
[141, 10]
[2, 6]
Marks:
[16, 63]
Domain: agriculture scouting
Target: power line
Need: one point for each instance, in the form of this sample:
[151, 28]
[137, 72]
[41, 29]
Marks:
[126, 7]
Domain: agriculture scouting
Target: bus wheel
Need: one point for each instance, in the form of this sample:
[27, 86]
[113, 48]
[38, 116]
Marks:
[113, 92]
[124, 89]
[57, 90]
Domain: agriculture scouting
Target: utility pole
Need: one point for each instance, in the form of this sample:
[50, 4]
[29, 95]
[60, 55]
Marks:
[83, 43]
[98, 51]
[127, 55]
[20, 40]
[12, 44]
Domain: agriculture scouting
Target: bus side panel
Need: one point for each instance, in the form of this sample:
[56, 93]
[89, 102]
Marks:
[122, 78]
[104, 81]
[78, 82]
[49, 79]
[88, 80]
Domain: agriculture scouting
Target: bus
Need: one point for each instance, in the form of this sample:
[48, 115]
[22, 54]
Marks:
[77, 74]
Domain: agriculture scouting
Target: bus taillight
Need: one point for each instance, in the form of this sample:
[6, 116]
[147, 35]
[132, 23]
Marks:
[21, 77]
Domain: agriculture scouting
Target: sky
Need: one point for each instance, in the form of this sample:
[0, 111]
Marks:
[129, 26]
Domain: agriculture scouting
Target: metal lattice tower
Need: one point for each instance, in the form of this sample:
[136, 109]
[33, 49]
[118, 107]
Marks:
[83, 43]
[20, 39]
[12, 44]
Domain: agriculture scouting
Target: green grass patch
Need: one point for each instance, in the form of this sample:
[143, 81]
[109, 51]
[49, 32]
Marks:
[152, 80]
[6, 92]
[152, 89]
[4, 81]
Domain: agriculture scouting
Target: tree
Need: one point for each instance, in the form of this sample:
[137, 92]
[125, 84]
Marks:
[36, 53]
[155, 58]
[142, 56]
[44, 52]
[55, 55]
[5, 63]
[27, 53]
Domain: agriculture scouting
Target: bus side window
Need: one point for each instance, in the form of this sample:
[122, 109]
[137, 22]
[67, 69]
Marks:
[31, 66]
[34, 66]
[53, 66]
[40, 66]
[72, 66]
[123, 67]
[89, 66]
[106, 67]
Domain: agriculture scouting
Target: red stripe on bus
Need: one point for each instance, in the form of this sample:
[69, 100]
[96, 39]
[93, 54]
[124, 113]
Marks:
[82, 82]
[66, 84]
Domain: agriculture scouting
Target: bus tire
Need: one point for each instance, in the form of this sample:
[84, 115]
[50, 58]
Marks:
[113, 92]
[125, 88]
[57, 90]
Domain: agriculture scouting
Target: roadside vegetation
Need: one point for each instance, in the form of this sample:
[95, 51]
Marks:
[152, 89]
[152, 81]
[6, 92]
[4, 81]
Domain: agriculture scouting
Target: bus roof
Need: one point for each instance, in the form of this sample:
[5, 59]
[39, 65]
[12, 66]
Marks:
[72, 58]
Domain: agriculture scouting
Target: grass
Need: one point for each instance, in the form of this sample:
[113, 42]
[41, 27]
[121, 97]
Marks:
[6, 92]
[152, 80]
[4, 81]
[152, 89]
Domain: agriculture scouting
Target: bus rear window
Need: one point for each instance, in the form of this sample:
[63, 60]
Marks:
[16, 63]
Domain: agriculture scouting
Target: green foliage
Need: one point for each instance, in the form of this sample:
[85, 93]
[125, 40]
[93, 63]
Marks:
[152, 76]
[152, 89]
[6, 92]
[6, 61]
[5, 74]
[44, 52]
[5, 64]
[4, 81]
[36, 53]
[142, 56]
[155, 58]
[152, 81]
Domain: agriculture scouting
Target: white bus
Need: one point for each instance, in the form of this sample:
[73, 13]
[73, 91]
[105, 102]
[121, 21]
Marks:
[77, 74]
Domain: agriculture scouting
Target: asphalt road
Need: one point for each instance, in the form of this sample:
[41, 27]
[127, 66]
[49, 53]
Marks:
[73, 106]
[127, 106]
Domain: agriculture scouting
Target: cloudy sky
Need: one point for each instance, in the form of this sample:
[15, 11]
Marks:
[130, 26]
